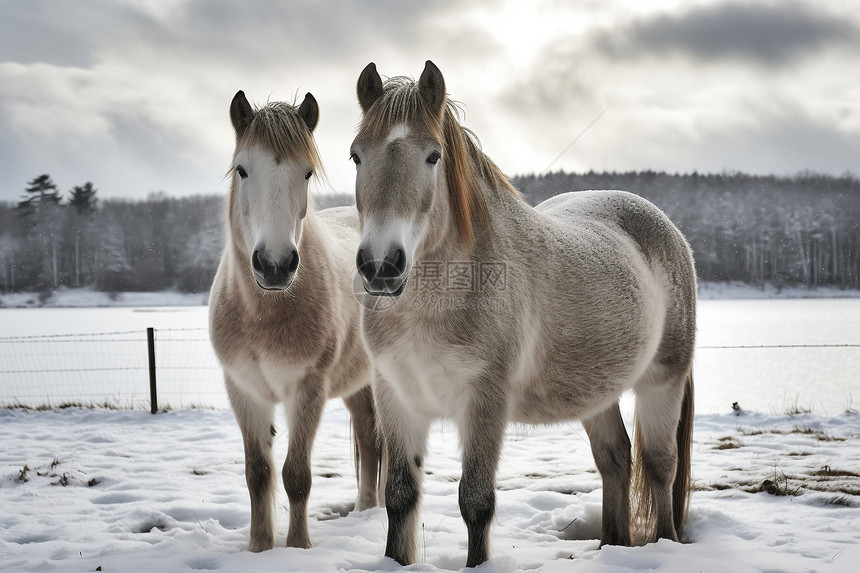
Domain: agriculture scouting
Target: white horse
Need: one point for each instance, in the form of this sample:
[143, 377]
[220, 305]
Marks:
[506, 312]
[283, 318]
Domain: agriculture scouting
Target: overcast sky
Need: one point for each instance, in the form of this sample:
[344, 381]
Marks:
[133, 95]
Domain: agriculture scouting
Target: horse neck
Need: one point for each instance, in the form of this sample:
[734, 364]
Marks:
[443, 241]
[504, 209]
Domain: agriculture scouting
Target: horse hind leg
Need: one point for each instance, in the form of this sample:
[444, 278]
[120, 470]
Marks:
[611, 449]
[662, 437]
[368, 458]
[255, 423]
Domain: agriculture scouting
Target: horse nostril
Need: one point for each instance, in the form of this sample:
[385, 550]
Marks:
[257, 263]
[392, 266]
[360, 261]
[292, 262]
[399, 261]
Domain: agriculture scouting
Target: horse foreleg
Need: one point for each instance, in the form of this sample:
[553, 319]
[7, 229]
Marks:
[304, 412]
[611, 449]
[405, 436]
[255, 422]
[482, 431]
[360, 406]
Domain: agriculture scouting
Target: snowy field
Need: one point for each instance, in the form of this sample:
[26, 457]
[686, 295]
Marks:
[804, 364]
[87, 297]
[777, 484]
[129, 491]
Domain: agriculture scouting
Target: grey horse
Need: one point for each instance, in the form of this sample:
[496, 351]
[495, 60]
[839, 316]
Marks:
[283, 318]
[502, 312]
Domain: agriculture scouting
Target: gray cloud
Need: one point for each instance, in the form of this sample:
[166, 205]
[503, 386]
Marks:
[769, 34]
[59, 33]
[561, 82]
[134, 95]
[784, 138]
[789, 140]
[270, 32]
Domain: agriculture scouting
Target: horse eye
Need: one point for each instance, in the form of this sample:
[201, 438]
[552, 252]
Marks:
[241, 171]
[308, 176]
[434, 158]
[355, 159]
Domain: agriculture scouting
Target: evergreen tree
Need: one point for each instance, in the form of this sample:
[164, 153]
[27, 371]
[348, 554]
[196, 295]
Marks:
[83, 197]
[41, 191]
[41, 216]
[82, 230]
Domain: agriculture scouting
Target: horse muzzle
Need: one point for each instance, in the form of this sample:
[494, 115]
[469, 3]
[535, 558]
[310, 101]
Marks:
[383, 278]
[274, 275]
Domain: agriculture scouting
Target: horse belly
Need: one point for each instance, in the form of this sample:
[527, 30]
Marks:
[571, 398]
[575, 372]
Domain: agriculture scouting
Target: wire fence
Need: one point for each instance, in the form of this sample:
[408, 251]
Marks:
[113, 369]
[110, 369]
[774, 346]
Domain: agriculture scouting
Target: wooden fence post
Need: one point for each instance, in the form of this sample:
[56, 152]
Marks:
[153, 394]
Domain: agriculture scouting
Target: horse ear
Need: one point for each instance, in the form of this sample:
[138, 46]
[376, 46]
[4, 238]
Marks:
[310, 111]
[369, 86]
[241, 113]
[431, 86]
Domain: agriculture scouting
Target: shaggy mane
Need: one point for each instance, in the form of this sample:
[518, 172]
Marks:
[279, 129]
[465, 164]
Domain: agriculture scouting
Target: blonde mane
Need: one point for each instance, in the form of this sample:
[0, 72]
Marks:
[465, 164]
[279, 129]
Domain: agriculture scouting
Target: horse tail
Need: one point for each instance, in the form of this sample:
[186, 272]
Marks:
[381, 455]
[643, 511]
[643, 518]
[684, 441]
[381, 450]
[382, 471]
[357, 452]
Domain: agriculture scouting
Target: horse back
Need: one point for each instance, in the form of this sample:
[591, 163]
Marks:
[342, 232]
[662, 246]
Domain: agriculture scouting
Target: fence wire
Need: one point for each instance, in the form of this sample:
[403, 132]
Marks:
[110, 369]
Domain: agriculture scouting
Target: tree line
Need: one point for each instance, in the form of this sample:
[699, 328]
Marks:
[801, 230]
[50, 240]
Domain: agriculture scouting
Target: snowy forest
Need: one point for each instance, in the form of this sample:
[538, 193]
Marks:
[49, 240]
[801, 230]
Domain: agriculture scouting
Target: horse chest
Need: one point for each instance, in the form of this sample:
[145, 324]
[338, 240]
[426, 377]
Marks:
[429, 378]
[265, 377]
[265, 354]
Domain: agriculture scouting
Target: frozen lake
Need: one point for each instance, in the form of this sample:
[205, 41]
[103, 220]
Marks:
[86, 489]
[824, 377]
[773, 380]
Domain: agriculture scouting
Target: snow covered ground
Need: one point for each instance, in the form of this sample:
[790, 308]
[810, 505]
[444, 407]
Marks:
[123, 490]
[738, 290]
[87, 490]
[87, 297]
